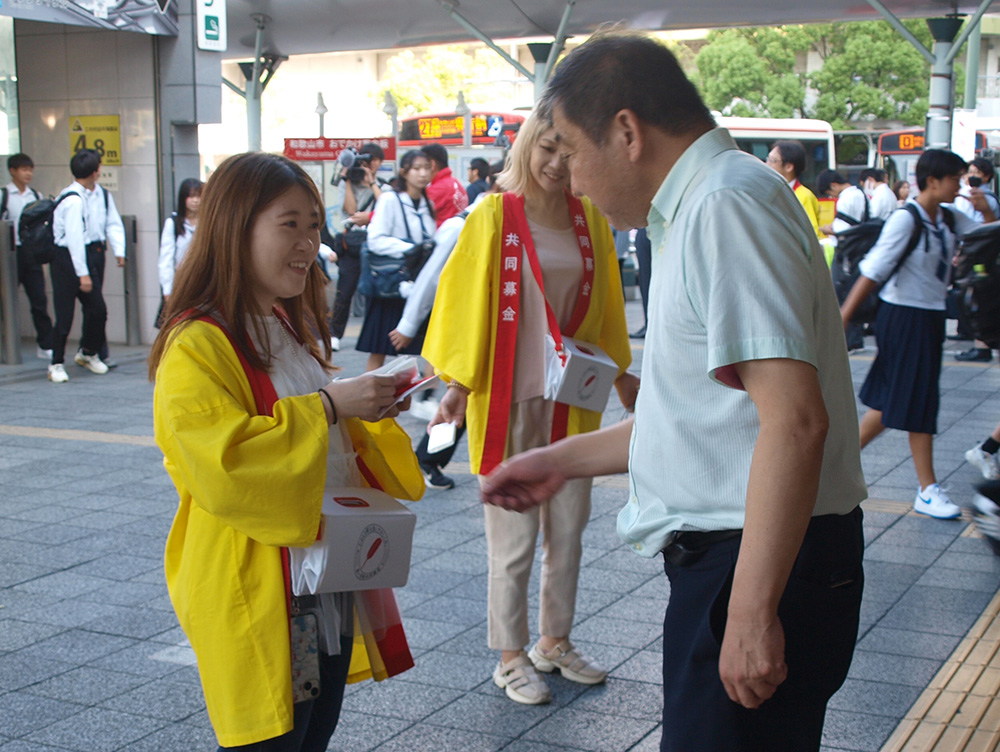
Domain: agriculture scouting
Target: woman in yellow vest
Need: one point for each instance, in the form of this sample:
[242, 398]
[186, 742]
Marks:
[528, 261]
[252, 428]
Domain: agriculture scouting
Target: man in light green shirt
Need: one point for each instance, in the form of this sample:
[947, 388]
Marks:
[743, 457]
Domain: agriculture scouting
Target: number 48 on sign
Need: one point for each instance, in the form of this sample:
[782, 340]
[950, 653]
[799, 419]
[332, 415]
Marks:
[102, 133]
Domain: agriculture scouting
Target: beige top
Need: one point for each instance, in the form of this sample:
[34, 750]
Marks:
[562, 273]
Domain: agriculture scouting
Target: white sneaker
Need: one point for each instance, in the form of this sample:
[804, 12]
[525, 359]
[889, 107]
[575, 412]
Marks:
[570, 662]
[987, 516]
[335, 344]
[92, 363]
[43, 354]
[522, 683]
[934, 502]
[985, 462]
[57, 374]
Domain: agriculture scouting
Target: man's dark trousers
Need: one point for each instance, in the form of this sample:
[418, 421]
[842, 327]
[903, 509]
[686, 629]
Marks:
[819, 614]
[348, 271]
[66, 291]
[31, 276]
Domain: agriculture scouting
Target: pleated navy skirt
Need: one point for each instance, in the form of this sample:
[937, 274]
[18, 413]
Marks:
[382, 317]
[903, 380]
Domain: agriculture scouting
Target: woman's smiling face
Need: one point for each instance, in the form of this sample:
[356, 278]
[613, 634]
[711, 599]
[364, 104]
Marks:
[284, 240]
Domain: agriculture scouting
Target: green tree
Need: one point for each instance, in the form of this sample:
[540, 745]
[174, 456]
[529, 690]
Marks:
[748, 72]
[868, 72]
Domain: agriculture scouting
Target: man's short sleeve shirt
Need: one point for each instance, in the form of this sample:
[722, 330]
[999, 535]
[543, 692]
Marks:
[738, 275]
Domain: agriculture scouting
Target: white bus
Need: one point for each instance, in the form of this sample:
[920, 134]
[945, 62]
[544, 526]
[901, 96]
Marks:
[757, 136]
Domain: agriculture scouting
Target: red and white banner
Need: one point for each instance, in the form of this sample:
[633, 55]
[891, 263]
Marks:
[328, 149]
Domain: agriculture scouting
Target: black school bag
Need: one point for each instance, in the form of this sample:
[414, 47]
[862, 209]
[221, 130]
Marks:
[35, 228]
[977, 275]
[853, 245]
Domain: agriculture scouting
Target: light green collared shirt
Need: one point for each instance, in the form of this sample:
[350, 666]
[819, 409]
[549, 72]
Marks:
[737, 275]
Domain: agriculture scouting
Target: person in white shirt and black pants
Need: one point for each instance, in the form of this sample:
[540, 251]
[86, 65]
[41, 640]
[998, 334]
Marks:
[83, 229]
[14, 198]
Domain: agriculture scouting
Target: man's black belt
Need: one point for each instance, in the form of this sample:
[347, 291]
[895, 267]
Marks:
[685, 547]
[97, 245]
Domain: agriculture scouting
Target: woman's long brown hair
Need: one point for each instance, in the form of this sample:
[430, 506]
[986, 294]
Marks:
[216, 275]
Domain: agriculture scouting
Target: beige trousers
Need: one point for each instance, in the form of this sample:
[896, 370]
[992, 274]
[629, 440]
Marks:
[511, 538]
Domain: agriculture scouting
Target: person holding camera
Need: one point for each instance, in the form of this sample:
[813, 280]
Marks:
[402, 227]
[360, 194]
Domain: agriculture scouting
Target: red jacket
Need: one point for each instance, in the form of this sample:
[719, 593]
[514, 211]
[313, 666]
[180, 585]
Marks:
[447, 195]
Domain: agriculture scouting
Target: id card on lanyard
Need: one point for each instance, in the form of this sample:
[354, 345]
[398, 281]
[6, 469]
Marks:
[515, 243]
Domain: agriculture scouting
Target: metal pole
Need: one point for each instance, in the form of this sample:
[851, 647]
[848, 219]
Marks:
[938, 132]
[11, 332]
[972, 69]
[253, 90]
[130, 275]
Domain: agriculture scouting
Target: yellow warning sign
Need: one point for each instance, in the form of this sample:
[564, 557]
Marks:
[102, 133]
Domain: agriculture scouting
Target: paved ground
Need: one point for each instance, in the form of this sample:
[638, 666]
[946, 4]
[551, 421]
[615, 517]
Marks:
[91, 657]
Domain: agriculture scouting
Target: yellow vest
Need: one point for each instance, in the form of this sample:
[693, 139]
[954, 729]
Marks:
[811, 204]
[461, 336]
[248, 485]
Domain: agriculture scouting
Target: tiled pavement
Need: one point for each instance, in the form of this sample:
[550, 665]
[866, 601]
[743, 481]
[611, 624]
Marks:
[91, 657]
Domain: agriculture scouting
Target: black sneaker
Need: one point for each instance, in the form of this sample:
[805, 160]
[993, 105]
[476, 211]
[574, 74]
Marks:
[436, 478]
[975, 355]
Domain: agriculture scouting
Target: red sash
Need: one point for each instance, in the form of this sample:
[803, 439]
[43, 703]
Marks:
[391, 643]
[516, 240]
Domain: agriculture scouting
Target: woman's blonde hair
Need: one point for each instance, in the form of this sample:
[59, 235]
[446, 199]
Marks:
[516, 176]
[216, 275]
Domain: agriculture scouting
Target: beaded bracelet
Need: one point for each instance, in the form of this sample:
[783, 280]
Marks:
[459, 386]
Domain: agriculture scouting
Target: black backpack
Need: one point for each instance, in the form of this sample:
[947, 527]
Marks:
[977, 275]
[35, 228]
[855, 242]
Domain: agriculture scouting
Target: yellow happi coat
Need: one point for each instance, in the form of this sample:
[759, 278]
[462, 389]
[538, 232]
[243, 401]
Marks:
[233, 469]
[461, 336]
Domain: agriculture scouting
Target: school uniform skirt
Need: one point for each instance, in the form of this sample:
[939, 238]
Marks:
[382, 317]
[903, 380]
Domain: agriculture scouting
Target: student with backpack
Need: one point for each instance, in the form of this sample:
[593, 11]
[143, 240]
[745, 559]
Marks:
[178, 231]
[901, 389]
[82, 229]
[13, 199]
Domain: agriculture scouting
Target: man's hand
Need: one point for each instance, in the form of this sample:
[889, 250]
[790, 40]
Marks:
[86, 284]
[120, 260]
[980, 204]
[627, 385]
[361, 219]
[752, 662]
[451, 408]
[524, 481]
[399, 341]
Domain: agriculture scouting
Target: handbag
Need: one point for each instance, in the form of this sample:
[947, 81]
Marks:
[381, 275]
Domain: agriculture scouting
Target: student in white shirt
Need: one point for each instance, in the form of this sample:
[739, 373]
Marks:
[84, 230]
[14, 198]
[876, 185]
[901, 389]
[177, 233]
[402, 218]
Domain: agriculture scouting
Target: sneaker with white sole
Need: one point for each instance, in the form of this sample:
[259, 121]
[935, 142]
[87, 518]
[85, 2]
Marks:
[43, 354]
[983, 461]
[986, 513]
[57, 374]
[335, 344]
[92, 363]
[934, 502]
[570, 662]
[522, 683]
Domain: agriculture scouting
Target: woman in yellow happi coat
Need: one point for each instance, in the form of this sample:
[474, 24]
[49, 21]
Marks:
[252, 429]
[487, 338]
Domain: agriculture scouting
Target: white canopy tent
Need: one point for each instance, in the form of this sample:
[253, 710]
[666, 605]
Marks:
[269, 30]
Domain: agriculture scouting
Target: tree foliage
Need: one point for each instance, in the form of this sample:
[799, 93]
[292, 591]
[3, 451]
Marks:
[867, 72]
[430, 79]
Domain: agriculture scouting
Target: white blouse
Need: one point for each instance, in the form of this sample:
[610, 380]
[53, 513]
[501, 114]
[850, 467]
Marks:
[295, 372]
[172, 250]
